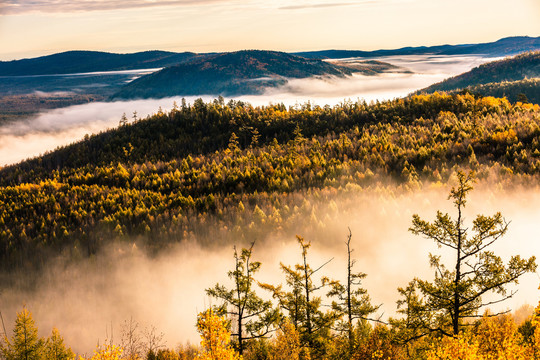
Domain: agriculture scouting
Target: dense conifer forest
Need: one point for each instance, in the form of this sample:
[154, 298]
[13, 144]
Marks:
[148, 179]
[252, 169]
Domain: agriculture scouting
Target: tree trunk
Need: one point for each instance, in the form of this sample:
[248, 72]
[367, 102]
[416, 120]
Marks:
[455, 320]
[308, 310]
[349, 306]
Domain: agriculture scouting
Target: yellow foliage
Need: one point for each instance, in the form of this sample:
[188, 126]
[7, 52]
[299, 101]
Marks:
[107, 352]
[495, 338]
[498, 338]
[462, 347]
[286, 345]
[507, 136]
[215, 338]
[535, 346]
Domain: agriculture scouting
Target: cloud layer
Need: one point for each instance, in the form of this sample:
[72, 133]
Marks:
[22, 6]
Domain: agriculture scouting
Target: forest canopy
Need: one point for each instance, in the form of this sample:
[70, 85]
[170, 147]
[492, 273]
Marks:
[149, 180]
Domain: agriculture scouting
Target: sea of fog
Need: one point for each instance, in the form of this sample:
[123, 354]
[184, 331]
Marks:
[58, 127]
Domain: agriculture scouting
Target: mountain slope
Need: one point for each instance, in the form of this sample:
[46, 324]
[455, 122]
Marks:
[91, 61]
[503, 47]
[241, 72]
[527, 90]
[524, 66]
[183, 175]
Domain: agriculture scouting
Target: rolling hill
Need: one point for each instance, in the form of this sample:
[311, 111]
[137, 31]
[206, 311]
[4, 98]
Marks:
[510, 76]
[213, 168]
[527, 90]
[235, 73]
[91, 61]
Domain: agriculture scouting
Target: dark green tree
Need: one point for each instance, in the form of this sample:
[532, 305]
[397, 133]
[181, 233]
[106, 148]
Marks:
[352, 300]
[253, 317]
[456, 292]
[302, 304]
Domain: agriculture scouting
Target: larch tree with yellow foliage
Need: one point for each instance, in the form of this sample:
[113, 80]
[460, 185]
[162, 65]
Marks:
[215, 338]
[286, 345]
[25, 344]
[55, 348]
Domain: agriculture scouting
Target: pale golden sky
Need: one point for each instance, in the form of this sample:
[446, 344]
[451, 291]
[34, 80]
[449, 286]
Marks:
[31, 28]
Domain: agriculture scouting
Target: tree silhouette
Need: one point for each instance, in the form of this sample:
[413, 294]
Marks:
[253, 317]
[456, 293]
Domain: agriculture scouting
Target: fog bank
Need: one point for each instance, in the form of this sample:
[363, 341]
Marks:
[168, 290]
[60, 127]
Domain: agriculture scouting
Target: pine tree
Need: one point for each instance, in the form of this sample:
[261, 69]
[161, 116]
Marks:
[254, 317]
[457, 293]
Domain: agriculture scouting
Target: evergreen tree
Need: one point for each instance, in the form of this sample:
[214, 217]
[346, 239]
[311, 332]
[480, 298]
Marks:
[457, 293]
[253, 317]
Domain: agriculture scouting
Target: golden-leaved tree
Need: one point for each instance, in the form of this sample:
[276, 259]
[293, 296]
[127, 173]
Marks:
[215, 337]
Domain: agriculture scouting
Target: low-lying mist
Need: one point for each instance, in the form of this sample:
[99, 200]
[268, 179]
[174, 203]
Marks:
[84, 300]
[59, 127]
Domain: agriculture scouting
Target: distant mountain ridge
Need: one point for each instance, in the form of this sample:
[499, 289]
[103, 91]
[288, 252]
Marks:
[91, 61]
[503, 47]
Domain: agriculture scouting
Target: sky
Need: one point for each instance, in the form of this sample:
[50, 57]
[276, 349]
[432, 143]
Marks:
[30, 28]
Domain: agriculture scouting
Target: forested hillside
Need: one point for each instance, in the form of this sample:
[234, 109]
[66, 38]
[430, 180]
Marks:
[91, 61]
[520, 67]
[235, 167]
[234, 73]
[527, 90]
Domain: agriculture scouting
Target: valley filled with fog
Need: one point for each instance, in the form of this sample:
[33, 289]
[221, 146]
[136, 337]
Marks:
[89, 299]
[50, 129]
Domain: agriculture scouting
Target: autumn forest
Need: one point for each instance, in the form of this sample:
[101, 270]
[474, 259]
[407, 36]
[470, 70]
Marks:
[256, 170]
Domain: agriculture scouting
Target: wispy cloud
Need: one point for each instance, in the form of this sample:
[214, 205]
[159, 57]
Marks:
[8, 7]
[61, 6]
[299, 5]
[318, 5]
